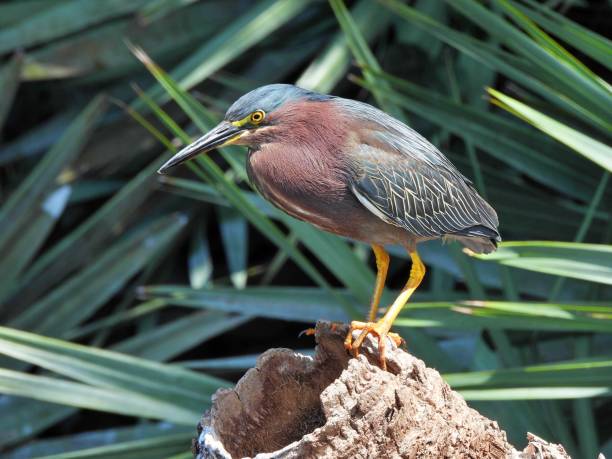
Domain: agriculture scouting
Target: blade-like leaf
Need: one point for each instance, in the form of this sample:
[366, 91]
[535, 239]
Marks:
[587, 146]
[234, 235]
[91, 441]
[306, 304]
[247, 30]
[200, 262]
[579, 37]
[107, 56]
[9, 81]
[591, 262]
[174, 338]
[364, 56]
[511, 65]
[78, 298]
[54, 264]
[21, 252]
[28, 417]
[162, 446]
[330, 66]
[156, 9]
[583, 373]
[101, 399]
[536, 393]
[39, 182]
[585, 90]
[61, 19]
[109, 369]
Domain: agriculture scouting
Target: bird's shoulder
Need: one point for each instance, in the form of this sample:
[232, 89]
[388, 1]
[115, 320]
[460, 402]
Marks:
[405, 180]
[373, 127]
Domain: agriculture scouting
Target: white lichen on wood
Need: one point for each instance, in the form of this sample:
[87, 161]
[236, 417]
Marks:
[292, 406]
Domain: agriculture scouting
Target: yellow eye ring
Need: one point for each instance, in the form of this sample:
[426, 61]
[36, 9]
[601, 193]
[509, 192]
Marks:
[257, 116]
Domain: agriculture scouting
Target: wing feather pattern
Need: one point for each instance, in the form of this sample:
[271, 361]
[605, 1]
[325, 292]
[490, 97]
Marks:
[404, 180]
[426, 201]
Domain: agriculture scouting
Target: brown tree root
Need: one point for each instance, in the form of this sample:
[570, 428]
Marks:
[333, 406]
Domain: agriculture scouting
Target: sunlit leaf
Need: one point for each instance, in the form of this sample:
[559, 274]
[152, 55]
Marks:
[591, 262]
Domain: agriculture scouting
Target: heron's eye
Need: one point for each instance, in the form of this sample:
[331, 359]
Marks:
[257, 116]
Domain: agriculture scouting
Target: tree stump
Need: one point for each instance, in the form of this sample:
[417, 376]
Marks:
[334, 406]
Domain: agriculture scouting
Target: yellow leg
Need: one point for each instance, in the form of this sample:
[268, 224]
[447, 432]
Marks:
[381, 327]
[382, 267]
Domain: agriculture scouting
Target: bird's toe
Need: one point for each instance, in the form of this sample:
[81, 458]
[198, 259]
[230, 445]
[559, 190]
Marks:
[379, 329]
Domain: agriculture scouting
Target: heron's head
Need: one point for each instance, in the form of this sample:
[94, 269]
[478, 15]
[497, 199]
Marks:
[253, 114]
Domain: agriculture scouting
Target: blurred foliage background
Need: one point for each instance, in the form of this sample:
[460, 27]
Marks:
[127, 299]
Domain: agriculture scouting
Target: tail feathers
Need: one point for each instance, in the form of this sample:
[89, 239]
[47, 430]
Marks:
[479, 238]
[480, 231]
[477, 244]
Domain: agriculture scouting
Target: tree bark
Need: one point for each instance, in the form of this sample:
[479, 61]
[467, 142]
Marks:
[334, 406]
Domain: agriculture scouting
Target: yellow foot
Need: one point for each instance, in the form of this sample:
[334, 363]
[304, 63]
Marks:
[380, 329]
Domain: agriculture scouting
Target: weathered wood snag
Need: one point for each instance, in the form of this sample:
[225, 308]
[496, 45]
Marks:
[332, 406]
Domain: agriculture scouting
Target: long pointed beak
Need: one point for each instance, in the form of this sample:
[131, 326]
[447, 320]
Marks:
[224, 134]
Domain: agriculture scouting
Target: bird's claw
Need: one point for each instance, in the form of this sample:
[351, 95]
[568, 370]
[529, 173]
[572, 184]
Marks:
[380, 329]
[312, 331]
[308, 332]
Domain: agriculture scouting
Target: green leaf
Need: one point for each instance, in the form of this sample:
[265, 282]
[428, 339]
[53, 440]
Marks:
[496, 315]
[78, 298]
[583, 409]
[20, 253]
[309, 305]
[246, 31]
[61, 19]
[364, 56]
[586, 91]
[101, 399]
[199, 262]
[28, 417]
[587, 41]
[35, 140]
[511, 65]
[91, 235]
[156, 9]
[162, 446]
[11, 12]
[9, 82]
[590, 262]
[235, 363]
[301, 304]
[587, 146]
[107, 57]
[173, 338]
[89, 190]
[22, 202]
[129, 439]
[109, 369]
[234, 236]
[536, 393]
[116, 318]
[576, 373]
[329, 67]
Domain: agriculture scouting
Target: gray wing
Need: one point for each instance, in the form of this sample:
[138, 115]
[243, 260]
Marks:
[428, 200]
[390, 134]
[403, 179]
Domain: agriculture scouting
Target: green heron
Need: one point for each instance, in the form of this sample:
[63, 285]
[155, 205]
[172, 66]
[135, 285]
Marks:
[351, 169]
